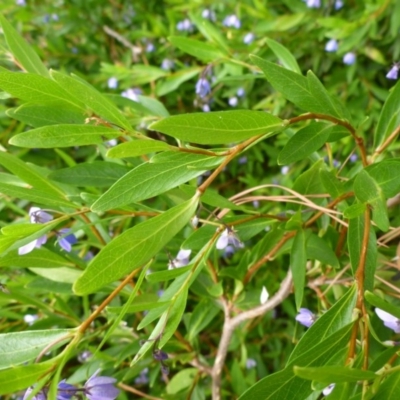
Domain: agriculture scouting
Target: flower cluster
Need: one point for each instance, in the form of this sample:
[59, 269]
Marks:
[38, 216]
[228, 237]
[96, 388]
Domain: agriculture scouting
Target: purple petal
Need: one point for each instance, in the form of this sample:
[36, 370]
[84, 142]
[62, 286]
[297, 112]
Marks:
[27, 248]
[64, 244]
[393, 73]
[305, 317]
[385, 316]
[223, 240]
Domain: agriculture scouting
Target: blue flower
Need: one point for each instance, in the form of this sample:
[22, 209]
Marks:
[66, 240]
[349, 58]
[228, 237]
[338, 4]
[203, 87]
[331, 46]
[305, 317]
[181, 260]
[233, 101]
[100, 387]
[251, 363]
[65, 391]
[209, 14]
[37, 216]
[240, 92]
[167, 64]
[184, 25]
[232, 21]
[393, 73]
[389, 320]
[313, 3]
[41, 395]
[132, 94]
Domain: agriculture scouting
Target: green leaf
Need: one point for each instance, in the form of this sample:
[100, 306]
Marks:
[52, 136]
[172, 82]
[285, 56]
[331, 183]
[93, 99]
[334, 374]
[20, 347]
[385, 174]
[148, 179]
[209, 31]
[137, 148]
[19, 378]
[354, 243]
[154, 106]
[298, 261]
[182, 380]
[368, 191]
[202, 315]
[167, 275]
[29, 175]
[175, 313]
[41, 258]
[134, 247]
[355, 210]
[306, 93]
[35, 88]
[220, 127]
[327, 104]
[304, 142]
[285, 384]
[22, 51]
[338, 316]
[389, 118]
[38, 115]
[203, 51]
[97, 173]
[318, 249]
[376, 301]
[34, 195]
[146, 301]
[390, 388]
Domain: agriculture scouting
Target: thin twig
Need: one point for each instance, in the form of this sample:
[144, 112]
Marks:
[135, 49]
[230, 324]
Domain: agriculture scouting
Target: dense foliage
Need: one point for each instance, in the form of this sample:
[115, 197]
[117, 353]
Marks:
[199, 199]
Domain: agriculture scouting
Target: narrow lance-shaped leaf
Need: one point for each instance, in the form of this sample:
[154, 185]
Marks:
[22, 51]
[148, 180]
[220, 127]
[18, 378]
[389, 118]
[38, 115]
[29, 175]
[97, 173]
[134, 247]
[304, 142]
[19, 347]
[334, 374]
[285, 56]
[201, 50]
[35, 88]
[137, 148]
[368, 191]
[298, 261]
[52, 136]
[92, 98]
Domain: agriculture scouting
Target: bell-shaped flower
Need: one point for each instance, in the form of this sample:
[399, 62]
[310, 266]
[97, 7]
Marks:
[100, 387]
[305, 317]
[65, 391]
[37, 216]
[203, 87]
[228, 237]
[389, 320]
[394, 72]
[181, 260]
